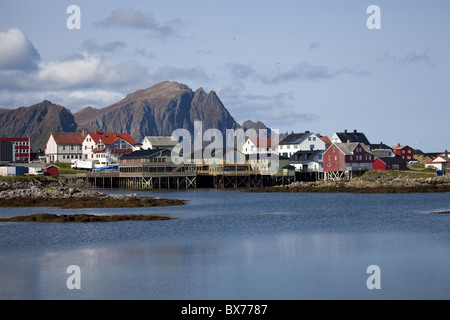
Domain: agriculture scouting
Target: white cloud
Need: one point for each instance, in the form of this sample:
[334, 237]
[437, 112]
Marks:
[82, 71]
[78, 99]
[130, 18]
[16, 51]
[408, 59]
[300, 72]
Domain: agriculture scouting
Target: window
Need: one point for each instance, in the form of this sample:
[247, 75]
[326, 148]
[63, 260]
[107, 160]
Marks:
[314, 138]
[311, 147]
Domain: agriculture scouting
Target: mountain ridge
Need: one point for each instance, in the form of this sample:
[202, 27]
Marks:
[154, 111]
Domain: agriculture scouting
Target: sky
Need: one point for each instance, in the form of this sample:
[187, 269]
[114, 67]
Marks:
[294, 65]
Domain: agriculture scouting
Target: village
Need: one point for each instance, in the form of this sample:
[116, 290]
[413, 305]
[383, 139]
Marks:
[116, 160]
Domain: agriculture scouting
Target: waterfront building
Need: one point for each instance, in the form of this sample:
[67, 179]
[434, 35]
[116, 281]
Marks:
[404, 151]
[107, 148]
[300, 142]
[259, 146]
[347, 159]
[390, 163]
[51, 170]
[6, 151]
[440, 162]
[382, 150]
[355, 136]
[158, 142]
[64, 147]
[307, 161]
[21, 148]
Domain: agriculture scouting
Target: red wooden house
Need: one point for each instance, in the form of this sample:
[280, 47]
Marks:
[406, 152]
[51, 170]
[344, 158]
[390, 163]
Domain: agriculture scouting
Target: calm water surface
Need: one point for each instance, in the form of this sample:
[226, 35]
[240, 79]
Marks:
[234, 245]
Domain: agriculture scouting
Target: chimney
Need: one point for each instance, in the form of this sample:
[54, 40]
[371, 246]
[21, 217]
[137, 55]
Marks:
[355, 131]
[348, 142]
[345, 131]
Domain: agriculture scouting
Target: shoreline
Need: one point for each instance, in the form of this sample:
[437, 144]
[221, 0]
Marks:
[371, 182]
[59, 193]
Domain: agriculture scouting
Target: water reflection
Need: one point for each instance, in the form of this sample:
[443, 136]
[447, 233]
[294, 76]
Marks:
[249, 246]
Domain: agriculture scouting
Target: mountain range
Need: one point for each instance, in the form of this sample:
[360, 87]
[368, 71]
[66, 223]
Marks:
[154, 111]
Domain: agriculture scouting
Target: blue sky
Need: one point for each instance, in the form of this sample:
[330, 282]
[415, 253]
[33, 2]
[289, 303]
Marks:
[295, 65]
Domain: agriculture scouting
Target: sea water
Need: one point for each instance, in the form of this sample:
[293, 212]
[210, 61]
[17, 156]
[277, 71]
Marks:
[228, 244]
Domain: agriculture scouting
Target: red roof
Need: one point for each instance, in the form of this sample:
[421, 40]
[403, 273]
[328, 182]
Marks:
[14, 139]
[326, 140]
[68, 137]
[260, 142]
[399, 147]
[110, 138]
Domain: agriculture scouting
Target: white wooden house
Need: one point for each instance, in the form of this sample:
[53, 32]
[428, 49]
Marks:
[259, 146]
[307, 161]
[300, 142]
[106, 148]
[157, 142]
[64, 147]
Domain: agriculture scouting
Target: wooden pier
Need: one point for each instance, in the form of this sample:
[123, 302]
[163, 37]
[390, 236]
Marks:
[168, 176]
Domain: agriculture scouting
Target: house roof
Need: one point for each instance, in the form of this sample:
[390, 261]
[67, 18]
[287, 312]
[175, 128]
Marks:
[379, 146]
[110, 138]
[304, 156]
[162, 141]
[295, 138]
[441, 159]
[400, 147]
[14, 139]
[50, 166]
[353, 136]
[326, 140]
[140, 154]
[348, 147]
[392, 160]
[68, 137]
[263, 142]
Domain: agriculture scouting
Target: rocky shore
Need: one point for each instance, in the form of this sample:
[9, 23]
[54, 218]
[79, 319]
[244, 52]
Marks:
[61, 193]
[373, 182]
[82, 218]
